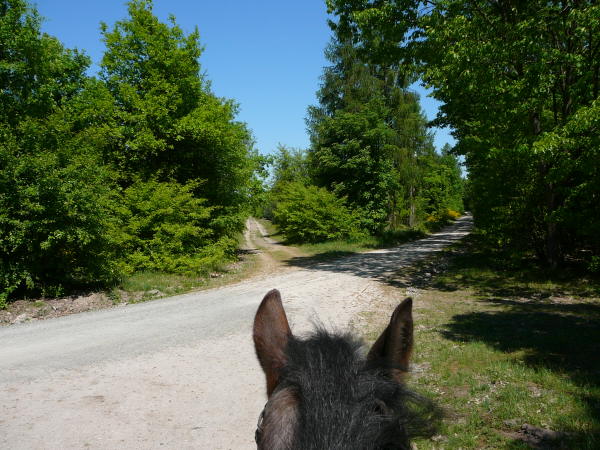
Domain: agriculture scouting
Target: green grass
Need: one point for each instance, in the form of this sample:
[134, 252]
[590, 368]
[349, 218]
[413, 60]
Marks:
[387, 239]
[497, 348]
[333, 249]
[144, 286]
[322, 250]
[338, 248]
[167, 284]
[272, 229]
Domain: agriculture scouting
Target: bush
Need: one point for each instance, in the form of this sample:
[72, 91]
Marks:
[440, 219]
[54, 213]
[64, 224]
[452, 215]
[312, 214]
[165, 228]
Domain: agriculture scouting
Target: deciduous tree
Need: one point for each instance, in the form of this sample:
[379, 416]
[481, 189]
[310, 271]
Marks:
[511, 76]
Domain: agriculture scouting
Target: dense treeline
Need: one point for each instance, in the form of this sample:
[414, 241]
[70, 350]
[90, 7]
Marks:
[520, 85]
[142, 168]
[371, 167]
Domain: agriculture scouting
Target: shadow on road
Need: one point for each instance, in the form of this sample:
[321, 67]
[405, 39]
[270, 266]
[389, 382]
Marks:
[381, 265]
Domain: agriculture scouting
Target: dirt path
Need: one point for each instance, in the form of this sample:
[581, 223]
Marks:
[178, 372]
[271, 253]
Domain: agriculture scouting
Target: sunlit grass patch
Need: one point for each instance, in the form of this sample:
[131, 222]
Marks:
[387, 239]
[168, 284]
[339, 248]
[271, 229]
[334, 249]
[148, 285]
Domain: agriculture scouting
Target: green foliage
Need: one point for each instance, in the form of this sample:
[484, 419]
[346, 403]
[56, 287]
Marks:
[165, 228]
[36, 72]
[442, 183]
[594, 264]
[439, 219]
[572, 153]
[350, 159]
[312, 214]
[369, 147]
[3, 300]
[170, 125]
[290, 165]
[152, 71]
[144, 169]
[258, 196]
[369, 141]
[54, 213]
[55, 194]
[511, 99]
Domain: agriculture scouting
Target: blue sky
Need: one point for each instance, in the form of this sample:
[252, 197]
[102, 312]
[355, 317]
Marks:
[265, 54]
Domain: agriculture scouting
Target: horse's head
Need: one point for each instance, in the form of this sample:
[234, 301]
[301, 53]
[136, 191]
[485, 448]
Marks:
[323, 393]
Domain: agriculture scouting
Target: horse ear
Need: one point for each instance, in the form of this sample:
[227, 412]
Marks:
[271, 334]
[394, 346]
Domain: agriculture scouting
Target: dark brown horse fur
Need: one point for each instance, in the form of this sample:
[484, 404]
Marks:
[325, 394]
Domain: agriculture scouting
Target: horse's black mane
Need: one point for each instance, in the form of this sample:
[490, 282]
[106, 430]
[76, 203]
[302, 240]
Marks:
[346, 402]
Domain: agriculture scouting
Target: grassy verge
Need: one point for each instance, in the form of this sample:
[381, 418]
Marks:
[511, 355]
[335, 249]
[143, 286]
[271, 229]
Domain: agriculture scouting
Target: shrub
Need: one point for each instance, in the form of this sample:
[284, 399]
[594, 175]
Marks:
[54, 213]
[453, 215]
[312, 214]
[165, 228]
[441, 218]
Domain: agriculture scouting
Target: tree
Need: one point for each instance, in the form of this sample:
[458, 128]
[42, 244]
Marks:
[442, 183]
[367, 136]
[349, 158]
[508, 73]
[170, 124]
[144, 169]
[289, 165]
[36, 73]
[55, 193]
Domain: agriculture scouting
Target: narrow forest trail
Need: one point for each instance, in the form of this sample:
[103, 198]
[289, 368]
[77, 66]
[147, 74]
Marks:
[178, 372]
[271, 253]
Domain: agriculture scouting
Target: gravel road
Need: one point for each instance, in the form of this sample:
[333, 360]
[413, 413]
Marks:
[179, 372]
